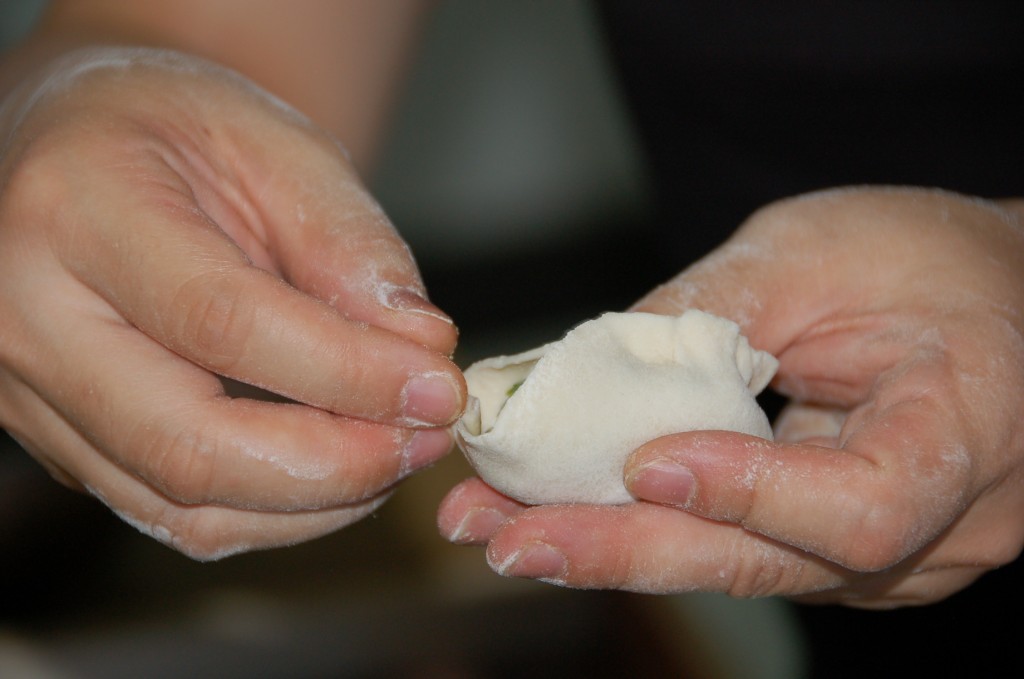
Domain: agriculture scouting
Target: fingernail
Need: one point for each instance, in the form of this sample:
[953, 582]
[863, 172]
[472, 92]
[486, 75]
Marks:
[408, 300]
[424, 448]
[477, 526]
[537, 560]
[664, 481]
[430, 399]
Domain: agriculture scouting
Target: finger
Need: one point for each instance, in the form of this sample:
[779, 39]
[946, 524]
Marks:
[332, 240]
[472, 512]
[204, 300]
[211, 532]
[202, 532]
[170, 423]
[652, 549]
[894, 484]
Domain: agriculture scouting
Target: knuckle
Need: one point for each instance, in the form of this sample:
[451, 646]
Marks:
[181, 464]
[765, 572]
[217, 321]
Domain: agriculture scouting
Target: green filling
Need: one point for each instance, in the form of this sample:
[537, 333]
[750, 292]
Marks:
[514, 388]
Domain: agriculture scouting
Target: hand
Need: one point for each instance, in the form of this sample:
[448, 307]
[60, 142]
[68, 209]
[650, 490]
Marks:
[164, 225]
[897, 473]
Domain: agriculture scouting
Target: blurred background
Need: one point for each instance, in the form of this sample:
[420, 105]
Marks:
[513, 173]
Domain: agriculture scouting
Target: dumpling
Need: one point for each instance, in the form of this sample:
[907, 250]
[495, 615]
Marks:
[557, 423]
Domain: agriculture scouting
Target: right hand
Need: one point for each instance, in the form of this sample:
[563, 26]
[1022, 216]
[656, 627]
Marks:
[163, 225]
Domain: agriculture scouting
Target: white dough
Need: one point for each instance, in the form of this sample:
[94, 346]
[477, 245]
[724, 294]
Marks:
[590, 399]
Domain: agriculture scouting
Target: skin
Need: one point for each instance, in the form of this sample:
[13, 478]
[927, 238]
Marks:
[896, 474]
[169, 229]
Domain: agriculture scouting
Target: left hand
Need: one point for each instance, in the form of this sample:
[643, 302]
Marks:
[897, 472]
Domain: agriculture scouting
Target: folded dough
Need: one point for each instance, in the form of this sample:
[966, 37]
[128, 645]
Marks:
[556, 424]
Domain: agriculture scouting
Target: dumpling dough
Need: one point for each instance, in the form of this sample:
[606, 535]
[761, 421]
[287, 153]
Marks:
[556, 424]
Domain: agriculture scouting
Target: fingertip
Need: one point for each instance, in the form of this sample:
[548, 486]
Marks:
[416, 317]
[433, 398]
[662, 480]
[694, 470]
[472, 513]
[474, 527]
[410, 301]
[424, 448]
[535, 559]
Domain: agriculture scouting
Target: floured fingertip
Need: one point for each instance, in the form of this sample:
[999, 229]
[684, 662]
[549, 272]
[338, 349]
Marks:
[408, 300]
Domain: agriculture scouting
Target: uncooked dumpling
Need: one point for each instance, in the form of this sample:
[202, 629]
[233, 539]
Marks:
[556, 424]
